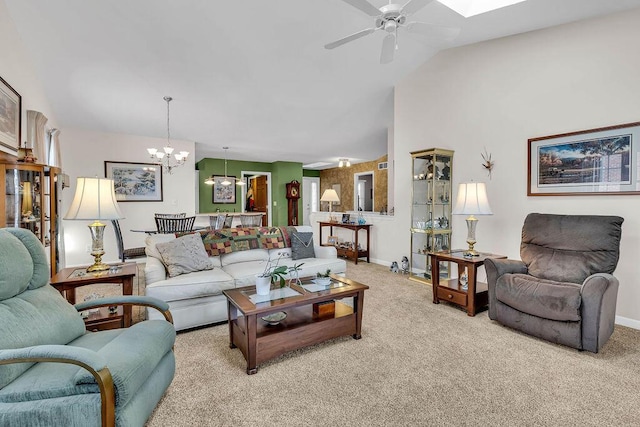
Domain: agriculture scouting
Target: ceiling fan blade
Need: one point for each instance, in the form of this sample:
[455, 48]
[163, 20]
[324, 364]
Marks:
[388, 49]
[433, 31]
[412, 6]
[364, 6]
[350, 38]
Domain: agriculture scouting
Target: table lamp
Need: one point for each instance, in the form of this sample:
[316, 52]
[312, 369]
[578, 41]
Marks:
[95, 200]
[330, 196]
[472, 200]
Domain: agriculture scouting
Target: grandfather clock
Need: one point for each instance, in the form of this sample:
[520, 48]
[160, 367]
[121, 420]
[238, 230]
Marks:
[293, 194]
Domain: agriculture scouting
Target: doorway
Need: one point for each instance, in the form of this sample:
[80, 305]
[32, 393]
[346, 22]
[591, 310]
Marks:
[260, 185]
[310, 197]
[363, 196]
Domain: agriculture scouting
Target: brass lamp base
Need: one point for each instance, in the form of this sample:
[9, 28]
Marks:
[98, 265]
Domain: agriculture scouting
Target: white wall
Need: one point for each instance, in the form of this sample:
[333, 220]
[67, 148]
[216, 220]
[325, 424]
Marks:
[500, 93]
[84, 153]
[17, 70]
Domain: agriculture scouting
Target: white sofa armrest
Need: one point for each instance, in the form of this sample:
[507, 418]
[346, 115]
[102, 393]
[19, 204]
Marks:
[154, 271]
[325, 252]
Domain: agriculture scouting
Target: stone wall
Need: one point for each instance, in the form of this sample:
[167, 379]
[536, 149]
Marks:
[344, 177]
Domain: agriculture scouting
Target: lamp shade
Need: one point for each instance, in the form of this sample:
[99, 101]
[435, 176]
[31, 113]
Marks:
[330, 195]
[94, 199]
[472, 200]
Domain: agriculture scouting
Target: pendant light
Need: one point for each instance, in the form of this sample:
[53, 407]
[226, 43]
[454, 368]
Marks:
[163, 157]
[227, 180]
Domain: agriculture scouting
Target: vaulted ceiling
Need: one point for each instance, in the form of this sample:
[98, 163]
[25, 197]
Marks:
[249, 74]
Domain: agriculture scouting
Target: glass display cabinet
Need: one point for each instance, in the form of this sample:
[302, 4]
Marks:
[31, 200]
[430, 211]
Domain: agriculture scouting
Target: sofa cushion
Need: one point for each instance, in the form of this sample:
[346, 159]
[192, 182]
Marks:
[151, 241]
[244, 256]
[192, 285]
[16, 266]
[302, 245]
[40, 274]
[244, 273]
[572, 248]
[132, 355]
[185, 254]
[542, 298]
[36, 317]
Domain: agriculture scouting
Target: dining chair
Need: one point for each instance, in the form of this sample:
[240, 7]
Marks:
[174, 225]
[123, 253]
[250, 220]
[165, 215]
[217, 221]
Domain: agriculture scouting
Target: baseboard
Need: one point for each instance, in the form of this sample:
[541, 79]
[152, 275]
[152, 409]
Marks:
[622, 321]
[629, 323]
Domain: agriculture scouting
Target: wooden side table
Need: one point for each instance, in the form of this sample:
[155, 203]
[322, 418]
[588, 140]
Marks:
[476, 296]
[68, 279]
[354, 254]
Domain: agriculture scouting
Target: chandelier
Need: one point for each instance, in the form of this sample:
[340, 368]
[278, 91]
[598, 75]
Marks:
[227, 180]
[344, 162]
[163, 157]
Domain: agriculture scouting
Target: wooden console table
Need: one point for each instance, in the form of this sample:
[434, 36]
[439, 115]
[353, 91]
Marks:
[68, 279]
[476, 296]
[344, 252]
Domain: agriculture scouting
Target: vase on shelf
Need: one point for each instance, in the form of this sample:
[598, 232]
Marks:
[361, 220]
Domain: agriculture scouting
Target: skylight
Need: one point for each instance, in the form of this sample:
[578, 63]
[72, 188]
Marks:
[468, 8]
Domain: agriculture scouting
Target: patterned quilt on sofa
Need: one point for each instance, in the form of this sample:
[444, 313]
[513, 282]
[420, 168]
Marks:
[227, 240]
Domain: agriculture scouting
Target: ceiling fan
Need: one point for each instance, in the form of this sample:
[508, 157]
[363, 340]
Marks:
[391, 17]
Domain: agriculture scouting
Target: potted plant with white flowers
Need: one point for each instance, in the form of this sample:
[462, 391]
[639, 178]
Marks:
[274, 273]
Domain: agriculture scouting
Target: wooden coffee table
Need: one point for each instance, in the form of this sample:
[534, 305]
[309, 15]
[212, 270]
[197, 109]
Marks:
[259, 341]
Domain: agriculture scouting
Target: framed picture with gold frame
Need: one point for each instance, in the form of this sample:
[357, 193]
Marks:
[10, 116]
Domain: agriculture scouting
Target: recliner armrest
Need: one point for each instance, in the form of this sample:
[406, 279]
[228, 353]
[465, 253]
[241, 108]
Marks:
[496, 268]
[161, 306]
[87, 359]
[599, 295]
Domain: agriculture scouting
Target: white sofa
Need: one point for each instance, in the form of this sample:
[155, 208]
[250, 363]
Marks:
[196, 299]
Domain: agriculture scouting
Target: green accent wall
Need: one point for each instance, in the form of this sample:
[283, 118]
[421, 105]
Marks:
[281, 173]
[311, 173]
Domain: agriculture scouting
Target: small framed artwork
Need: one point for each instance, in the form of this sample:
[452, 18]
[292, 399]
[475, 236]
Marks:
[596, 161]
[332, 240]
[224, 193]
[10, 116]
[135, 182]
[346, 218]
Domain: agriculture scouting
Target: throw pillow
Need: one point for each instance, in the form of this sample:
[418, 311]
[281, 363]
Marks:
[302, 245]
[184, 255]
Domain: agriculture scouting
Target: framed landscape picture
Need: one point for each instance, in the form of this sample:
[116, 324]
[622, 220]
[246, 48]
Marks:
[10, 116]
[224, 193]
[135, 182]
[596, 161]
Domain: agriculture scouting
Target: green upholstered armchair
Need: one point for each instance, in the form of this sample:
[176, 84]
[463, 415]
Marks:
[563, 289]
[54, 372]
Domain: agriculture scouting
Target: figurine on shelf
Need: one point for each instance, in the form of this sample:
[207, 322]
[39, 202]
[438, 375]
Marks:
[445, 171]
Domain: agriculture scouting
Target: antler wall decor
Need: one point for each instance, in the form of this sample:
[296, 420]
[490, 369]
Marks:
[488, 163]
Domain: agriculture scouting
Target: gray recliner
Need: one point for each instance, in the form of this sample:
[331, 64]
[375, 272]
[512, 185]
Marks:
[563, 289]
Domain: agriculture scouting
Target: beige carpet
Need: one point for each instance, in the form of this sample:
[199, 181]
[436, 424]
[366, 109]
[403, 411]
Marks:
[417, 364]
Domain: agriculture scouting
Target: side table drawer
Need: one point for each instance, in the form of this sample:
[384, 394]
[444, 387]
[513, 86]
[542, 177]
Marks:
[445, 294]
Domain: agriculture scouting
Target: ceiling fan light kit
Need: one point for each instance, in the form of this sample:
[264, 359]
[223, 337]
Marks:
[390, 18]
